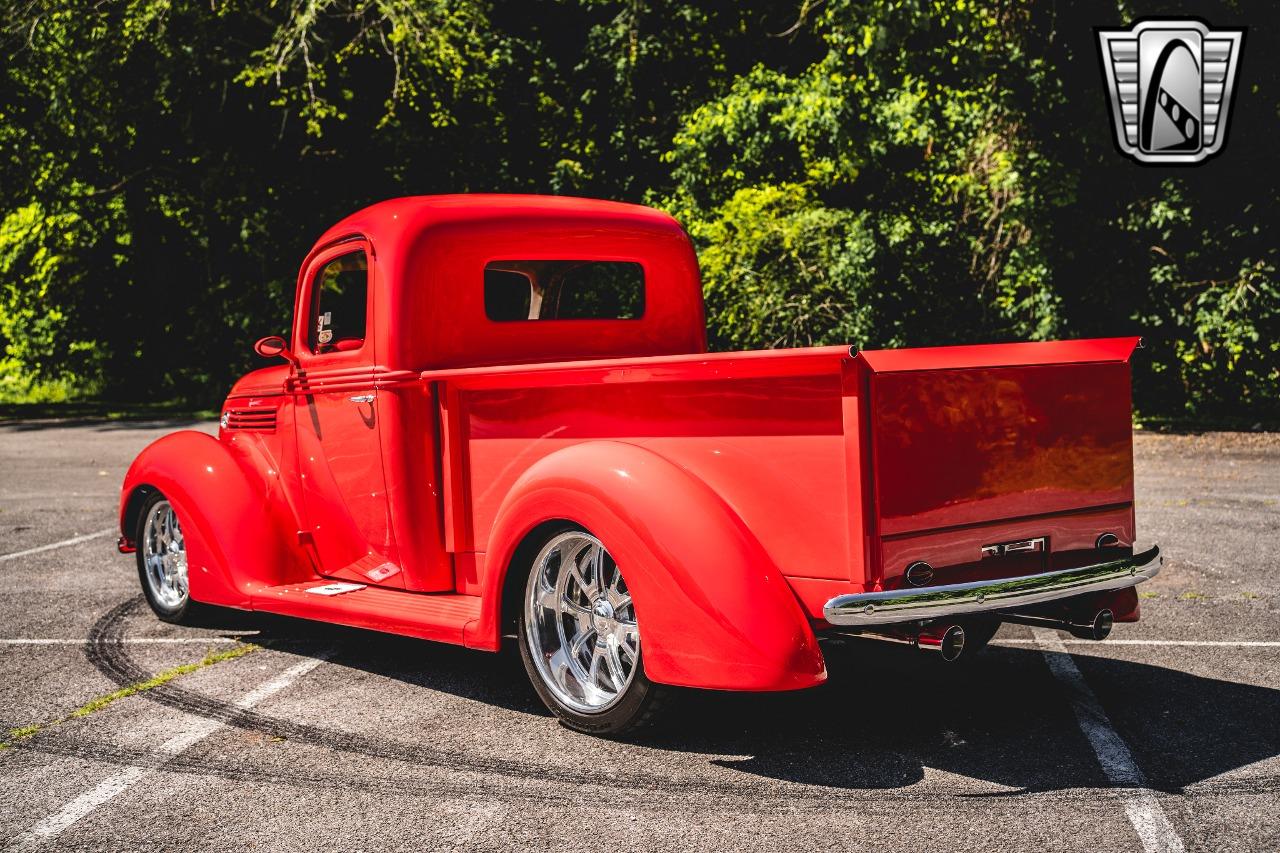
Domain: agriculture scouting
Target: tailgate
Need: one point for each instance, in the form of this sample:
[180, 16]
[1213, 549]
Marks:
[964, 436]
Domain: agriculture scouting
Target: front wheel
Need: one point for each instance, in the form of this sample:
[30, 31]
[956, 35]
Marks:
[580, 639]
[162, 561]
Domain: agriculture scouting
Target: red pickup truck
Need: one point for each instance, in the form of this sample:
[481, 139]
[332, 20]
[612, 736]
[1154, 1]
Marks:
[497, 417]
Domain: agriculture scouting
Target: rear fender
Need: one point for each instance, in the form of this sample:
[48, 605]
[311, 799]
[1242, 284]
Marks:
[231, 511]
[714, 610]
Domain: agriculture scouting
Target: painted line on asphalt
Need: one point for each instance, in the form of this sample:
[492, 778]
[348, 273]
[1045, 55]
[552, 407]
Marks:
[26, 496]
[1012, 641]
[52, 545]
[125, 641]
[1140, 804]
[1075, 642]
[111, 787]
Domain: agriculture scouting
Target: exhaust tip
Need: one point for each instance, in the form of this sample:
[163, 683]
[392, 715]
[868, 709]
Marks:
[949, 643]
[1099, 628]
[952, 643]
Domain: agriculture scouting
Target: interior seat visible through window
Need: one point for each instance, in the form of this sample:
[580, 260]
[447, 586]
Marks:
[563, 290]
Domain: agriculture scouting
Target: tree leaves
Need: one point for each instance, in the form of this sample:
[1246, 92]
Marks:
[877, 172]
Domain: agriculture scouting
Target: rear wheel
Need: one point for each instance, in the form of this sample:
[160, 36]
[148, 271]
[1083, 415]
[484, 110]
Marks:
[162, 560]
[580, 639]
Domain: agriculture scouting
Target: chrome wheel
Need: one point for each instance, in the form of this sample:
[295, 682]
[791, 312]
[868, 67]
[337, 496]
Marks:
[581, 624]
[164, 556]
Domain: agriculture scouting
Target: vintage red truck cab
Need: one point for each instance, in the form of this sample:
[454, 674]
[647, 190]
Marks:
[497, 416]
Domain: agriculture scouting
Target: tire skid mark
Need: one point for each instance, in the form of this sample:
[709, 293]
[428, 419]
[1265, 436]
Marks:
[112, 659]
[746, 799]
[98, 703]
[89, 801]
[197, 764]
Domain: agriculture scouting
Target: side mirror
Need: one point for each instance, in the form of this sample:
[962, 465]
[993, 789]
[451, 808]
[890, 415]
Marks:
[274, 346]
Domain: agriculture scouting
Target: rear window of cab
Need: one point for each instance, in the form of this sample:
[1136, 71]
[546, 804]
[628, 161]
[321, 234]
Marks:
[517, 290]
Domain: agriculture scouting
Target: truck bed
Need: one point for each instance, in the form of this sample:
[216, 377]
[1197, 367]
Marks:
[846, 466]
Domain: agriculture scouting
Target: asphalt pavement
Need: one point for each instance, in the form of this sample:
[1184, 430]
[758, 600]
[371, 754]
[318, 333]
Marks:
[121, 732]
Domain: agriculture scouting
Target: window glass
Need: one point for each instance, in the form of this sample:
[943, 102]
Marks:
[339, 304]
[507, 294]
[563, 290]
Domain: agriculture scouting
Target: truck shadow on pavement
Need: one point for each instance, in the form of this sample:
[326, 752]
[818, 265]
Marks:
[888, 718]
[889, 714]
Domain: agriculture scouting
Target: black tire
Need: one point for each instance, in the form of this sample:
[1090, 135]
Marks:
[639, 705]
[184, 612]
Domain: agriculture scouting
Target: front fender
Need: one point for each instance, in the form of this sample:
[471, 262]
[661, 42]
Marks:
[714, 611]
[229, 512]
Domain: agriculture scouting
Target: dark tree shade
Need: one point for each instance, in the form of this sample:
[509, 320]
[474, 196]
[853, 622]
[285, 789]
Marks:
[881, 173]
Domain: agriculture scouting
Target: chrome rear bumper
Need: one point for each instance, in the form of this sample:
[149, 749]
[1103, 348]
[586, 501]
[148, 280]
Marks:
[959, 599]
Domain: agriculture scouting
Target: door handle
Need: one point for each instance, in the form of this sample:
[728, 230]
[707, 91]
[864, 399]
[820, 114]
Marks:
[361, 398]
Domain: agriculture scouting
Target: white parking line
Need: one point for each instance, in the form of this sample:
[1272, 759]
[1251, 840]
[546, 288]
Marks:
[123, 641]
[72, 541]
[1140, 804]
[82, 805]
[1075, 642]
[1011, 641]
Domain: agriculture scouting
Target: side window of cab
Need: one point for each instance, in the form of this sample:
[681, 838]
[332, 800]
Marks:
[339, 304]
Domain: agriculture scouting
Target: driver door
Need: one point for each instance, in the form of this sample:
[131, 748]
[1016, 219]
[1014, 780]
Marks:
[343, 488]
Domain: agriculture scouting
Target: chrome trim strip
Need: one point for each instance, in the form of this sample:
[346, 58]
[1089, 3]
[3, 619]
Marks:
[348, 379]
[957, 599]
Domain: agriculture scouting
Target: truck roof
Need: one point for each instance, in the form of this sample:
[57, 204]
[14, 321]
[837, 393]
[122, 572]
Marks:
[401, 218]
[431, 253]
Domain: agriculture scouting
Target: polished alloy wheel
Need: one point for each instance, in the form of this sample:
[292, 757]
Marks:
[164, 556]
[582, 628]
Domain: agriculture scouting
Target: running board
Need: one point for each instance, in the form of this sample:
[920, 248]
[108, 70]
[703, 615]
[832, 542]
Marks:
[442, 617]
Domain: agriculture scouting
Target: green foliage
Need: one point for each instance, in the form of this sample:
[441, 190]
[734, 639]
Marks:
[878, 172]
[781, 271]
[1215, 313]
[904, 138]
[317, 55]
[941, 173]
